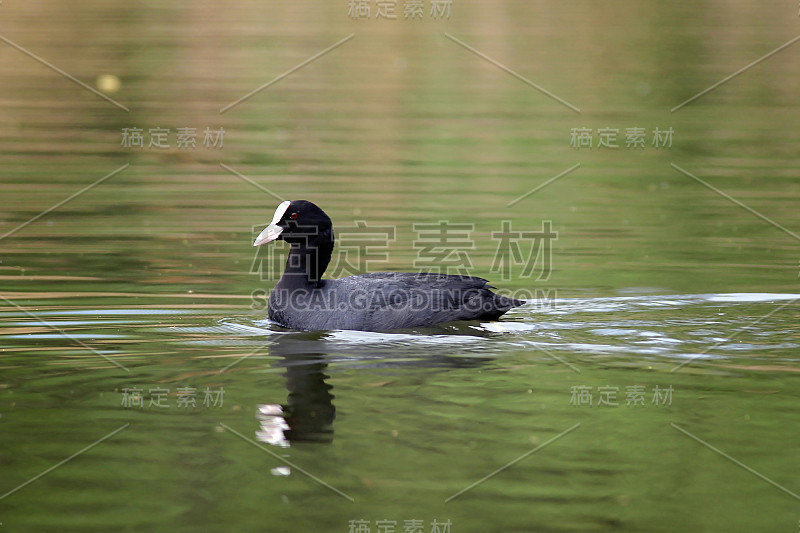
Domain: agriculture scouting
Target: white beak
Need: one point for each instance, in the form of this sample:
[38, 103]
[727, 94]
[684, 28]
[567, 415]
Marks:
[269, 234]
[272, 231]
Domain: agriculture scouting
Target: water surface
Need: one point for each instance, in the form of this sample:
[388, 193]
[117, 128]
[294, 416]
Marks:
[665, 335]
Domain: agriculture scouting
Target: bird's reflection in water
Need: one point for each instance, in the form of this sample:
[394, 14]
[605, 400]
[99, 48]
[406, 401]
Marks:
[308, 414]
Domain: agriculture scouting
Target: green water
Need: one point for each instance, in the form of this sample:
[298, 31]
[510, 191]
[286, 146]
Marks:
[148, 280]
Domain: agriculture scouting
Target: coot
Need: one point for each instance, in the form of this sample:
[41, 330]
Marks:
[379, 301]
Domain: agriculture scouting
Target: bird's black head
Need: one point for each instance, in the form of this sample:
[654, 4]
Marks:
[298, 222]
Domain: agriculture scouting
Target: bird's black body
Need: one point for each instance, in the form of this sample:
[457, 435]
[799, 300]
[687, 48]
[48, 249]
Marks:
[378, 301]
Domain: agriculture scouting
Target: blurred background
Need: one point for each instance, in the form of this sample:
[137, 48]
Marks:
[399, 124]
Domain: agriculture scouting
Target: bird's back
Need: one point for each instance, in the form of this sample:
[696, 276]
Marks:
[384, 301]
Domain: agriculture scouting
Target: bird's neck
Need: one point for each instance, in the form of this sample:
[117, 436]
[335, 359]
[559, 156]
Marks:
[306, 264]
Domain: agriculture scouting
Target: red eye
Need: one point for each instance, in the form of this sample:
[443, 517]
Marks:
[293, 216]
